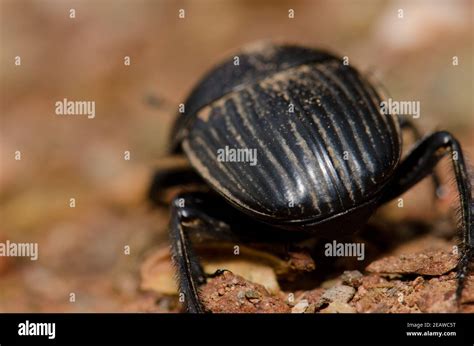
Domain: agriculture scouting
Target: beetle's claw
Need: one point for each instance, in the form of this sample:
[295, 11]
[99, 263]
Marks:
[217, 273]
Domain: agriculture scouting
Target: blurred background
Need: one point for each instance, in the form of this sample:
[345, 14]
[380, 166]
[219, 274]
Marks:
[81, 249]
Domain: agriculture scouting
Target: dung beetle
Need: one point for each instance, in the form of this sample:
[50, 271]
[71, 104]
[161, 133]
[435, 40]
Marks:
[308, 153]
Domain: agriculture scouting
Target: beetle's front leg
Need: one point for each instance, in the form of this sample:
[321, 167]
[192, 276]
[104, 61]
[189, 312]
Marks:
[418, 164]
[199, 214]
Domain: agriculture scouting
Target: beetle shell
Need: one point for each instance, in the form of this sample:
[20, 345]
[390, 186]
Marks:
[333, 153]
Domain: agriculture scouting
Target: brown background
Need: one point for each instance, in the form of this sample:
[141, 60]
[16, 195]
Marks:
[81, 249]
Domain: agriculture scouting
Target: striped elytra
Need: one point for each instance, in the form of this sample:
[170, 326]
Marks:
[322, 145]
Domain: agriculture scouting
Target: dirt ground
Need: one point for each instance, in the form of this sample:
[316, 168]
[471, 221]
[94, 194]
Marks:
[406, 272]
[110, 252]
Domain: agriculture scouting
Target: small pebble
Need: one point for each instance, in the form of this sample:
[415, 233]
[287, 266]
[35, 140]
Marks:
[300, 307]
[342, 293]
[241, 295]
[251, 294]
[352, 278]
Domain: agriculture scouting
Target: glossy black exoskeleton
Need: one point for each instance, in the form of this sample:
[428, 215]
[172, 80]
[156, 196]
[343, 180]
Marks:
[313, 155]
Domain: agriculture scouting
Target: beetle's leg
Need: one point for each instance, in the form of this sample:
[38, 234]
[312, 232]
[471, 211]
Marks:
[191, 275]
[167, 178]
[407, 124]
[199, 216]
[202, 215]
[418, 164]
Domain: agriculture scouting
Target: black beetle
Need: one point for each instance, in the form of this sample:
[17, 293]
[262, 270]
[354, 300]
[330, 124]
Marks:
[325, 156]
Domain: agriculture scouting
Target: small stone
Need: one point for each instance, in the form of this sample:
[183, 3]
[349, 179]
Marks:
[301, 261]
[221, 291]
[251, 294]
[314, 296]
[340, 294]
[300, 307]
[241, 295]
[352, 278]
[418, 281]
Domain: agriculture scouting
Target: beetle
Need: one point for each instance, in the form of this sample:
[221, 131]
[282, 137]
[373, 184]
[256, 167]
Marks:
[328, 157]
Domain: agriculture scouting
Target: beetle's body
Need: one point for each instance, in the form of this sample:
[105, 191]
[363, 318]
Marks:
[324, 147]
[326, 156]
